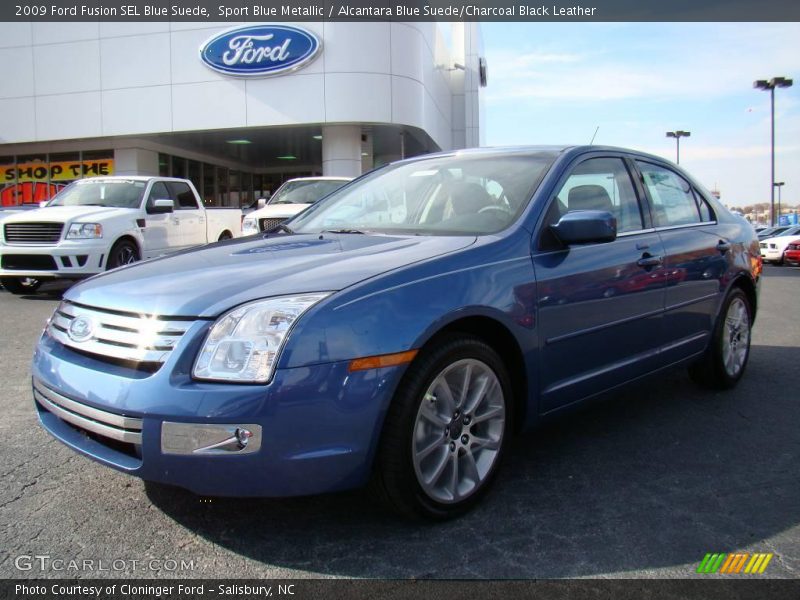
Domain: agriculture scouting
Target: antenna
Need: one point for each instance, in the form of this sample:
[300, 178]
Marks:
[595, 135]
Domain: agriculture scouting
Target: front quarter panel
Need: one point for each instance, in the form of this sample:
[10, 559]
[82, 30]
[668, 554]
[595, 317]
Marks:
[402, 310]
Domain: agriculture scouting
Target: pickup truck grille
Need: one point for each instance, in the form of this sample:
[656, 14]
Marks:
[32, 233]
[141, 341]
[267, 224]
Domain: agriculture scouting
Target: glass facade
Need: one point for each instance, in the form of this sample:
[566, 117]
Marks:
[220, 186]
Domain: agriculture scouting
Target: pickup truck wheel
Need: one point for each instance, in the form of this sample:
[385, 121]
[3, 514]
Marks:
[122, 253]
[225, 235]
[20, 285]
[445, 432]
[723, 363]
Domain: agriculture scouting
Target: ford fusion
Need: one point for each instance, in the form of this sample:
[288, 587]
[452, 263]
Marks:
[403, 328]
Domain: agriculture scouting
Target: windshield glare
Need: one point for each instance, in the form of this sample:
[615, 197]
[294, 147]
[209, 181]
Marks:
[116, 193]
[451, 195]
[304, 192]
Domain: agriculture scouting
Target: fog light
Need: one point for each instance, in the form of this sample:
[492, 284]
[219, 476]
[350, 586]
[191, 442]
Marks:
[210, 439]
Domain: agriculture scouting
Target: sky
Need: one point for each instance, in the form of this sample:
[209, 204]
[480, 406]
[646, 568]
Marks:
[555, 83]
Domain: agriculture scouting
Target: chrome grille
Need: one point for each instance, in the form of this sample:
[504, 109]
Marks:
[101, 422]
[269, 223]
[32, 233]
[120, 336]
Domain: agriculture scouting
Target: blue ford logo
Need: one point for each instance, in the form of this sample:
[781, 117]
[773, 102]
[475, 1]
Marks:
[260, 50]
[81, 329]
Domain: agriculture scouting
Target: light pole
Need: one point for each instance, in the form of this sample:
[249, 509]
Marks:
[678, 135]
[779, 185]
[763, 84]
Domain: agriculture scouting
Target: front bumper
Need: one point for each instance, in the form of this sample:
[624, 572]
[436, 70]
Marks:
[69, 259]
[771, 254]
[319, 425]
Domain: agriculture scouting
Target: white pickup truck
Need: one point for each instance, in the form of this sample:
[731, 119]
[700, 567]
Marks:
[101, 223]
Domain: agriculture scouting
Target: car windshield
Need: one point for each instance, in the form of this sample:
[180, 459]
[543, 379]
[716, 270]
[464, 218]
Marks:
[305, 192]
[446, 195]
[116, 193]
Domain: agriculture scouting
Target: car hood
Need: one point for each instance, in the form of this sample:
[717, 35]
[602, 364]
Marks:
[63, 214]
[277, 210]
[207, 281]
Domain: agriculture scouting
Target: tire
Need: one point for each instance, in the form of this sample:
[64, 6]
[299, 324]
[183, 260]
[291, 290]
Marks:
[725, 360]
[225, 235]
[421, 450]
[124, 252]
[20, 285]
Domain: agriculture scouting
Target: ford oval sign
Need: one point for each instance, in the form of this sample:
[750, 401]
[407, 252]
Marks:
[260, 50]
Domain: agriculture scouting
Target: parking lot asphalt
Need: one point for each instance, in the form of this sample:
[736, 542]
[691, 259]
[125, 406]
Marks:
[641, 485]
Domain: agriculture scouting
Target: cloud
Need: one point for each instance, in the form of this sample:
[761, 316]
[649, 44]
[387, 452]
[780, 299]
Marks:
[656, 61]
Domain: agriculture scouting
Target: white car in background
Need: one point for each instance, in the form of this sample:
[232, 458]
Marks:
[293, 197]
[101, 223]
[772, 249]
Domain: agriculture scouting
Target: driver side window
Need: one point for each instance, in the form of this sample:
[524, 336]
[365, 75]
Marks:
[159, 191]
[595, 184]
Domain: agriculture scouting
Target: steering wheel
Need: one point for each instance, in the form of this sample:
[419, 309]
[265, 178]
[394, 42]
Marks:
[501, 209]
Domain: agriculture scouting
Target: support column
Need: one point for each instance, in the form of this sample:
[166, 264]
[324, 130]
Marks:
[135, 161]
[341, 150]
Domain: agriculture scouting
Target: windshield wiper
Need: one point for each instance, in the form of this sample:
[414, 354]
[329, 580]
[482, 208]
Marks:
[355, 231]
[281, 227]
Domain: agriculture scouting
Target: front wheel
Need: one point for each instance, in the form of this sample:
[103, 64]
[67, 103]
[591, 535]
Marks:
[446, 430]
[124, 252]
[723, 364]
[20, 285]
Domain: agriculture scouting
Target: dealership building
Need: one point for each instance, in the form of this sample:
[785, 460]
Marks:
[236, 108]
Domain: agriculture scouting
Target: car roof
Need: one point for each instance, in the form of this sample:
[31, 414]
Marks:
[553, 150]
[325, 178]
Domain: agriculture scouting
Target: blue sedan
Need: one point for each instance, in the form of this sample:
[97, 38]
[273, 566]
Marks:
[402, 329]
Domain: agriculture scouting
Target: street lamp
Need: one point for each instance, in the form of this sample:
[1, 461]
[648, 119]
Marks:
[678, 135]
[779, 185]
[763, 84]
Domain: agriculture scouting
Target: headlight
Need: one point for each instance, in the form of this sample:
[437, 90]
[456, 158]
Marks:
[244, 343]
[249, 225]
[85, 231]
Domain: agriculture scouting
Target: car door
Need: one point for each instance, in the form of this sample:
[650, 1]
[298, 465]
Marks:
[694, 258]
[600, 306]
[160, 231]
[191, 218]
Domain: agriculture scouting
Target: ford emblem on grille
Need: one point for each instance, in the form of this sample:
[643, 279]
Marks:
[81, 329]
[260, 50]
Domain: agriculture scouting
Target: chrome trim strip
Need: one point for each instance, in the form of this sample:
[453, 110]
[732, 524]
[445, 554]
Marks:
[687, 225]
[86, 410]
[637, 232]
[109, 431]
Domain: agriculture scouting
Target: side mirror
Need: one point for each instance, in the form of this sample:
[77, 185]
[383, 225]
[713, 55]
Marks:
[160, 207]
[262, 202]
[586, 227]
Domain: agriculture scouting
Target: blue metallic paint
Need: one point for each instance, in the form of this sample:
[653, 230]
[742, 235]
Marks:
[394, 293]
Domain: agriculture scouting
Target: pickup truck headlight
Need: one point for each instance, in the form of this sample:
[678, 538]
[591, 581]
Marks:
[244, 343]
[85, 231]
[249, 226]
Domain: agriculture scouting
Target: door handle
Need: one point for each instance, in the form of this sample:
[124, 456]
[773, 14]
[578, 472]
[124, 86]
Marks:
[723, 246]
[648, 260]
